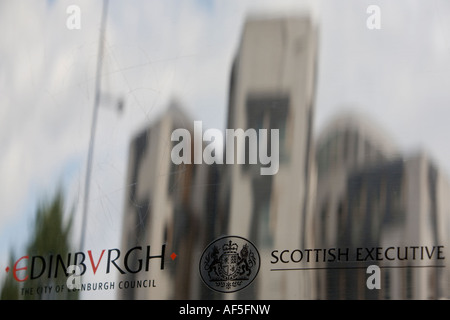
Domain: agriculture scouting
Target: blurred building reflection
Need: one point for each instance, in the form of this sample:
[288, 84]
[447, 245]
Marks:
[166, 204]
[396, 203]
[348, 143]
[273, 87]
[371, 196]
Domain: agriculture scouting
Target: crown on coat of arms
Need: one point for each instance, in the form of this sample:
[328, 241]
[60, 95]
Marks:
[230, 247]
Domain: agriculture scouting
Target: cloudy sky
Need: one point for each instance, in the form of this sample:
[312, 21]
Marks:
[159, 50]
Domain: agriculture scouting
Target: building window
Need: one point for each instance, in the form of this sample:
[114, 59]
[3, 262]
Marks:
[269, 113]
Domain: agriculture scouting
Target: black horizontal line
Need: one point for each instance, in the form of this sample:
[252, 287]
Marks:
[343, 268]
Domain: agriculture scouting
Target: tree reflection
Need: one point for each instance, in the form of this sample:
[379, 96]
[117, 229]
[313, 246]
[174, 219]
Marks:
[50, 235]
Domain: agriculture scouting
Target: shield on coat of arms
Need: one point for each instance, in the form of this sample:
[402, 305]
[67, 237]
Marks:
[228, 264]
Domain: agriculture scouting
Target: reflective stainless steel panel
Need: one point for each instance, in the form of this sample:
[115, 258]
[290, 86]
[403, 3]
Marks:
[274, 151]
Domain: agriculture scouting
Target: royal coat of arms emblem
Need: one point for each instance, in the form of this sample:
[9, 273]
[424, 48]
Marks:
[229, 264]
